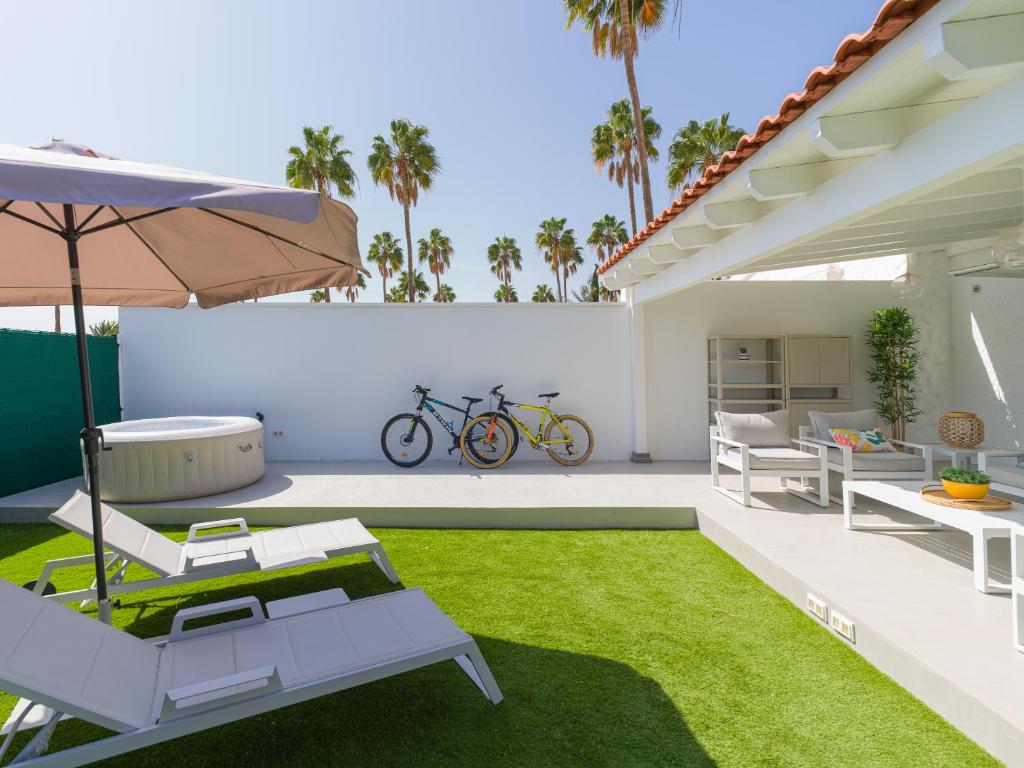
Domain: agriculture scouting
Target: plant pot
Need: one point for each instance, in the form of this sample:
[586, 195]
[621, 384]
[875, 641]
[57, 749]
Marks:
[965, 491]
[960, 429]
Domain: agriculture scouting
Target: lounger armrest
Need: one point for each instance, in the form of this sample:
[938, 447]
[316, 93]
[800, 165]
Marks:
[234, 522]
[69, 562]
[178, 631]
[243, 559]
[195, 698]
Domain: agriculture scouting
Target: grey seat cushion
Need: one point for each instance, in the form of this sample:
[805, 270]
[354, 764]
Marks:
[758, 430]
[778, 458]
[1007, 474]
[822, 422]
[882, 461]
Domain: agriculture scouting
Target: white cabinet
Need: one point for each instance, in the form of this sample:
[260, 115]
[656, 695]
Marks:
[818, 361]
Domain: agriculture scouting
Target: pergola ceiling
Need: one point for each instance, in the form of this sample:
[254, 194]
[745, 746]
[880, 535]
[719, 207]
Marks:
[921, 149]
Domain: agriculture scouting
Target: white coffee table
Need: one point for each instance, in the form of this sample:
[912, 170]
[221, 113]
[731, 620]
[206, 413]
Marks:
[906, 495]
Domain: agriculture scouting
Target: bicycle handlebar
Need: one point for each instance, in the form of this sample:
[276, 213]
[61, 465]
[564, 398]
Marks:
[497, 390]
[421, 390]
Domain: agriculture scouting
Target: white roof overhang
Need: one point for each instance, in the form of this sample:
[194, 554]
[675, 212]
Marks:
[920, 149]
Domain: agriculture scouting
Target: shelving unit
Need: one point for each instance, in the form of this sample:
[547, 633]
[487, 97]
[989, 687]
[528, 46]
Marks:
[818, 376]
[750, 385]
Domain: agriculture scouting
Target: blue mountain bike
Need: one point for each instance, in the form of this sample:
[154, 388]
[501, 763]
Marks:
[407, 439]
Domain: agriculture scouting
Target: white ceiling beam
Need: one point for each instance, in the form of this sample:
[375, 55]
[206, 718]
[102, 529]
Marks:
[609, 282]
[700, 236]
[977, 47]
[899, 243]
[1002, 180]
[976, 137]
[625, 276]
[793, 180]
[642, 271]
[938, 209]
[665, 254]
[868, 133]
[738, 213]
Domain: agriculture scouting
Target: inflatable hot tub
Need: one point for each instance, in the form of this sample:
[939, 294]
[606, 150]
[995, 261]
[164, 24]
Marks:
[181, 457]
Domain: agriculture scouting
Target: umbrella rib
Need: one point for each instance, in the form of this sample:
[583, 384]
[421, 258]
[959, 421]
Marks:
[262, 231]
[122, 220]
[91, 216]
[150, 248]
[50, 216]
[33, 222]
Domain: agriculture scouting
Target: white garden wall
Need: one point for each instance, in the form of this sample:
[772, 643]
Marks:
[329, 376]
[988, 355]
[678, 325]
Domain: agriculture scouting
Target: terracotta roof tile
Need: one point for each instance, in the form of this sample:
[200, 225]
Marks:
[853, 51]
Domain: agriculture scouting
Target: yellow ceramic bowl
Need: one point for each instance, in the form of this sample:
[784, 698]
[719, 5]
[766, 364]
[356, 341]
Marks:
[965, 490]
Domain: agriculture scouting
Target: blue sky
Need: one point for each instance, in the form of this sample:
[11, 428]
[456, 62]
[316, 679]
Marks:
[509, 96]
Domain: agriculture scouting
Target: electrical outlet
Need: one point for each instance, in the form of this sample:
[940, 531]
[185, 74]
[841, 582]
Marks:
[843, 626]
[817, 607]
[278, 433]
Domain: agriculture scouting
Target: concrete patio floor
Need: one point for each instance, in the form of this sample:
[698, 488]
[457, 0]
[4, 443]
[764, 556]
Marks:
[910, 595]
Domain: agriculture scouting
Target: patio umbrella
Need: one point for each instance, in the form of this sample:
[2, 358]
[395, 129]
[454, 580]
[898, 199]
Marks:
[80, 227]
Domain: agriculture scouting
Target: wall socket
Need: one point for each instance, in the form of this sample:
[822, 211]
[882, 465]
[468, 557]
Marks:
[817, 607]
[278, 433]
[843, 626]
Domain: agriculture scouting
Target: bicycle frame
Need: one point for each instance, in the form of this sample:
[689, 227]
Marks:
[449, 426]
[545, 413]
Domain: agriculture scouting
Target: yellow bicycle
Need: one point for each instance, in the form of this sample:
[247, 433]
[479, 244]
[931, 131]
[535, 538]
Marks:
[567, 439]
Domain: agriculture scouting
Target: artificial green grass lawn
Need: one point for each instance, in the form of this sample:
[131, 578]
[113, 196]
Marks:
[613, 648]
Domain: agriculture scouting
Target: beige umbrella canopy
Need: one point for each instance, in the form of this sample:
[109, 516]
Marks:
[152, 235]
[79, 227]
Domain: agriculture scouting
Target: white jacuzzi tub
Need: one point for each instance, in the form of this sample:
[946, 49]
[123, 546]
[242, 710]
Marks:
[180, 457]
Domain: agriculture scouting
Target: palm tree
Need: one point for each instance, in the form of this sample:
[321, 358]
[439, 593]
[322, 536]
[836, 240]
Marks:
[320, 164]
[437, 252]
[386, 252]
[613, 143]
[698, 145]
[318, 296]
[570, 256]
[549, 243]
[613, 25]
[606, 235]
[405, 165]
[445, 295]
[593, 290]
[401, 292]
[506, 295]
[504, 255]
[352, 291]
[542, 294]
[105, 328]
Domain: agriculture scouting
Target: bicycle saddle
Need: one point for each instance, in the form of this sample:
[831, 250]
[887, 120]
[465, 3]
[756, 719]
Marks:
[472, 400]
[549, 394]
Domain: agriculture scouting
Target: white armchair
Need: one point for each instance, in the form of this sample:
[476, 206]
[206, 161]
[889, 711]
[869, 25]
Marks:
[914, 462]
[758, 445]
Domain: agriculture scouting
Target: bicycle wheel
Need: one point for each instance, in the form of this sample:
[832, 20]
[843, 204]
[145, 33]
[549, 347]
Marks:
[406, 440]
[511, 428]
[484, 447]
[569, 440]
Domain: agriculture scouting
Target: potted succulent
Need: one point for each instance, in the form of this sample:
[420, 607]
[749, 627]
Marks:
[964, 483]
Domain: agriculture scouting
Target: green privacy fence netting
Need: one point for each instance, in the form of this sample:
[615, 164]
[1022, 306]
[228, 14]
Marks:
[41, 406]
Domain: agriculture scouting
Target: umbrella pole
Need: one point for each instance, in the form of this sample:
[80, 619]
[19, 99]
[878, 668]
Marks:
[91, 435]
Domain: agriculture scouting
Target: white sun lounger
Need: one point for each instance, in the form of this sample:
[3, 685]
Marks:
[66, 664]
[203, 557]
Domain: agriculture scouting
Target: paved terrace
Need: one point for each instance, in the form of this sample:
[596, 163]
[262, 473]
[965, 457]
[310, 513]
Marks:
[917, 615]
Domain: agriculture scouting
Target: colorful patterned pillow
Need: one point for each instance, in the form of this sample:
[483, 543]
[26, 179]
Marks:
[862, 440]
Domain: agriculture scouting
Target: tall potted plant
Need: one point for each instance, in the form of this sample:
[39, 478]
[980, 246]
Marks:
[892, 336]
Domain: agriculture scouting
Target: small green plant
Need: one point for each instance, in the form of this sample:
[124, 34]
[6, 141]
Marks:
[968, 476]
[891, 337]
